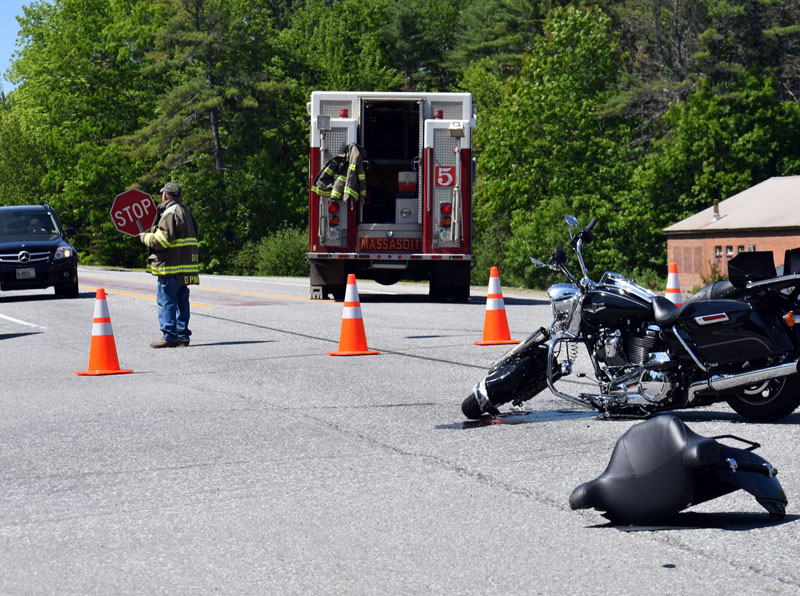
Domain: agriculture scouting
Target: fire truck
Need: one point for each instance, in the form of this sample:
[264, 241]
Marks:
[413, 222]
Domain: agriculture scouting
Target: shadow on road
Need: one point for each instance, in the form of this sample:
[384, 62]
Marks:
[693, 520]
[40, 297]
[528, 417]
[231, 343]
[425, 299]
[13, 335]
[522, 417]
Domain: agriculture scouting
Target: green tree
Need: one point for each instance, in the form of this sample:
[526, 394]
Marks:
[549, 149]
[80, 85]
[718, 145]
[218, 125]
[341, 45]
[504, 30]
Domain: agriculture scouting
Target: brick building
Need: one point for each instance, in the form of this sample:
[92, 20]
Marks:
[763, 217]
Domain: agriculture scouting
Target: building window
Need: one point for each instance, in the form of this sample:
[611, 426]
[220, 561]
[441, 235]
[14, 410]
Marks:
[751, 248]
[729, 251]
[739, 249]
[718, 251]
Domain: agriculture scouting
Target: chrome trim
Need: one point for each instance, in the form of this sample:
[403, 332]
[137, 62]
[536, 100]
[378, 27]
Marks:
[688, 350]
[26, 258]
[551, 383]
[727, 382]
[719, 317]
[480, 394]
[616, 280]
[565, 300]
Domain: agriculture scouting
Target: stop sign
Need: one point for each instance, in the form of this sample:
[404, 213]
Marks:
[133, 212]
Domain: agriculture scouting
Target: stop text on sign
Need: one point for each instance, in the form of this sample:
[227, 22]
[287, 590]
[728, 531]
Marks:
[137, 211]
[133, 212]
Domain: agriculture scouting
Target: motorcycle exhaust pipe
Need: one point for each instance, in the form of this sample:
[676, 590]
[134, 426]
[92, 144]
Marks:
[728, 382]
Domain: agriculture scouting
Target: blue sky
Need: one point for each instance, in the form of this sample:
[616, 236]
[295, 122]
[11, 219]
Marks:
[8, 35]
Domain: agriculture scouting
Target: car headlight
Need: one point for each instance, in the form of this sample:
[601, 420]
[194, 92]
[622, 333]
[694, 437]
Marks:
[64, 252]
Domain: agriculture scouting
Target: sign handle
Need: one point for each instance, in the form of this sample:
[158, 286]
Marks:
[139, 225]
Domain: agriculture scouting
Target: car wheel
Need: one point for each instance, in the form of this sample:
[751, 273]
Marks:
[67, 290]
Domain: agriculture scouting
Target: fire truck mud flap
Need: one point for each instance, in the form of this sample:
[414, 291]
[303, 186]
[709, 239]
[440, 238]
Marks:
[327, 279]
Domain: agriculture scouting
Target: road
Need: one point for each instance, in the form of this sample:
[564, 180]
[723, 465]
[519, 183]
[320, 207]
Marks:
[252, 462]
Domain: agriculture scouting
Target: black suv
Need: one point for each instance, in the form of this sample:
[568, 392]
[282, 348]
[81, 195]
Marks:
[35, 252]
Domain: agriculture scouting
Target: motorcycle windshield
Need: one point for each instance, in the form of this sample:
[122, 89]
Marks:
[764, 487]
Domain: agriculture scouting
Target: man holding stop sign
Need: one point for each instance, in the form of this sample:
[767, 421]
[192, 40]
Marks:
[174, 261]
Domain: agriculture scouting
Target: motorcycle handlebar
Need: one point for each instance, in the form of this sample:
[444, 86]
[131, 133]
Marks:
[585, 234]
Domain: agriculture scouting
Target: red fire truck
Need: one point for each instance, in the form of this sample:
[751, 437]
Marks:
[414, 220]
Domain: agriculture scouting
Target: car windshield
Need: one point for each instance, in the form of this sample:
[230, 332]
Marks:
[27, 224]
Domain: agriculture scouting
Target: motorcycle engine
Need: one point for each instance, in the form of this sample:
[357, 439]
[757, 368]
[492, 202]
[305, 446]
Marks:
[636, 372]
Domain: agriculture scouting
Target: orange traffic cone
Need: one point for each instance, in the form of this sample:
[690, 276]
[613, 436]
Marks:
[352, 339]
[673, 293]
[103, 352]
[495, 324]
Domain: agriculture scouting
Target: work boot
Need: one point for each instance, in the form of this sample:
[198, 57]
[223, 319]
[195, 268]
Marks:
[183, 342]
[163, 343]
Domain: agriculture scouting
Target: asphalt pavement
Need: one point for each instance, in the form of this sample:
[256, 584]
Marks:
[252, 462]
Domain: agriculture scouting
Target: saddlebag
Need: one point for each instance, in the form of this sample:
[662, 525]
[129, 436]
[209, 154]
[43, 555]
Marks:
[722, 331]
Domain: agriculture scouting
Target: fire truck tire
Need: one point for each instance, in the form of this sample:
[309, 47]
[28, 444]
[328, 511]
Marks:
[450, 281]
[336, 290]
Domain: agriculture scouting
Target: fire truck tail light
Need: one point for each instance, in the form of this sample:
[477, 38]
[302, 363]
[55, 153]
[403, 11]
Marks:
[333, 207]
[789, 319]
[333, 220]
[444, 221]
[446, 208]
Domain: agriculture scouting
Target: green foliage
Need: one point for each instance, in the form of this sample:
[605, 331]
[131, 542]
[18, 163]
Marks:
[638, 112]
[718, 145]
[548, 149]
[342, 47]
[282, 253]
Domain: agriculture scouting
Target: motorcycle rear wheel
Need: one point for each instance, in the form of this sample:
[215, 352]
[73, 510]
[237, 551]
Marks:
[768, 401]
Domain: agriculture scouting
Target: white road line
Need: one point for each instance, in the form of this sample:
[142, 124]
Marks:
[21, 322]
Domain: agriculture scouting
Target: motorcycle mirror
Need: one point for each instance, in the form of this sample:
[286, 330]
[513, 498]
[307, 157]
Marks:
[571, 220]
[537, 263]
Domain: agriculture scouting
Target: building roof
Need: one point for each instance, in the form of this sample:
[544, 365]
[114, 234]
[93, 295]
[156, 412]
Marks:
[774, 203]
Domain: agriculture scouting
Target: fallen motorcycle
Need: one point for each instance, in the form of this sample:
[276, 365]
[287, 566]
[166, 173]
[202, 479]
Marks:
[733, 341]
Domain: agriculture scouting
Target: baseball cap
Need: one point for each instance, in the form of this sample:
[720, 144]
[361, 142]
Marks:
[172, 188]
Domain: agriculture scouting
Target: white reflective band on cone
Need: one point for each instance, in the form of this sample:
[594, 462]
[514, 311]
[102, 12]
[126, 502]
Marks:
[351, 312]
[494, 304]
[101, 309]
[494, 285]
[102, 329]
[351, 294]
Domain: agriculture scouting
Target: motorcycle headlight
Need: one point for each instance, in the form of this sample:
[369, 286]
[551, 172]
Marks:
[564, 299]
[64, 252]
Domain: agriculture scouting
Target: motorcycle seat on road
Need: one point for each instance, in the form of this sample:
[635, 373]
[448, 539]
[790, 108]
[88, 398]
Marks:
[660, 467]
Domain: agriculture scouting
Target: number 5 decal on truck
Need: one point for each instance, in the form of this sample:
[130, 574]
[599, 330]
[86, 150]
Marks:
[445, 175]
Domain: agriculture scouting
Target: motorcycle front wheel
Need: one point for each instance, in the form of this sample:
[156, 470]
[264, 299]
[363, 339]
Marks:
[767, 401]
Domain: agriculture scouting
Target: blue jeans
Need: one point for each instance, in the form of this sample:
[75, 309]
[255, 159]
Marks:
[173, 308]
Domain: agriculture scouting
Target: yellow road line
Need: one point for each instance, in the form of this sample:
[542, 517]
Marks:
[223, 290]
[197, 304]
